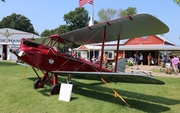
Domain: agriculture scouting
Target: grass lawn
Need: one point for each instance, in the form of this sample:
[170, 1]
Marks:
[158, 71]
[88, 96]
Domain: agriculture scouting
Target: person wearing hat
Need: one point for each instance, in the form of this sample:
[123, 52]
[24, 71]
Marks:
[162, 61]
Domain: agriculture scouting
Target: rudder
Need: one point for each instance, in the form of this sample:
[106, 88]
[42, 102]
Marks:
[121, 65]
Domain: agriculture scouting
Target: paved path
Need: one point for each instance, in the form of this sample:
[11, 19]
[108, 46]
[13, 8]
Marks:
[150, 68]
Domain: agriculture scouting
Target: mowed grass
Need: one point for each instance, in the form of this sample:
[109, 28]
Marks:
[17, 95]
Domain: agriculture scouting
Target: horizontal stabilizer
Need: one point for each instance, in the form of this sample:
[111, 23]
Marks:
[119, 77]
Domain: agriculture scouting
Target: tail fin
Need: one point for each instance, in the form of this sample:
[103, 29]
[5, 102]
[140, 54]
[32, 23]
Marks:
[121, 65]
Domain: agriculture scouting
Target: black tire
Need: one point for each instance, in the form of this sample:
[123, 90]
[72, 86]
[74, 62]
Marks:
[37, 84]
[55, 89]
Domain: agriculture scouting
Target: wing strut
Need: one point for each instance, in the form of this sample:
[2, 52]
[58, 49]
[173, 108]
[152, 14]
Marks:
[117, 52]
[102, 49]
[116, 93]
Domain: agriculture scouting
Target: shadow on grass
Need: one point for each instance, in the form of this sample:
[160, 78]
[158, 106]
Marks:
[45, 90]
[143, 102]
[6, 63]
[146, 103]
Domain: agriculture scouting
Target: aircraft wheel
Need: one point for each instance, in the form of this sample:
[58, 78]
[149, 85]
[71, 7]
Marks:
[55, 89]
[37, 84]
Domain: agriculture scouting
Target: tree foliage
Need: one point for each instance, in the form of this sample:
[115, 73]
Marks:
[18, 22]
[128, 11]
[60, 29]
[105, 15]
[77, 19]
[46, 33]
[177, 1]
[74, 20]
[109, 14]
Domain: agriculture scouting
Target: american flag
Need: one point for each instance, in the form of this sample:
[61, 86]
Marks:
[83, 2]
[90, 2]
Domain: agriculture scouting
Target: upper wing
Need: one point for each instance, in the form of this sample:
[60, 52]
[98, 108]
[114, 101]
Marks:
[119, 77]
[127, 27]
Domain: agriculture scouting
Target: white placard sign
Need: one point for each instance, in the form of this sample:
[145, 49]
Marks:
[65, 92]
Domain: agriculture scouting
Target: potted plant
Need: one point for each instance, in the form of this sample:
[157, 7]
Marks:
[130, 62]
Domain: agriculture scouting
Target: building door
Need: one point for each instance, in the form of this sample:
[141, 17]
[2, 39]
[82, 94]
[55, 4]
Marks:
[4, 52]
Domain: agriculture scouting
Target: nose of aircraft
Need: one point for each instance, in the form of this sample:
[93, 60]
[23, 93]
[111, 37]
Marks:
[15, 51]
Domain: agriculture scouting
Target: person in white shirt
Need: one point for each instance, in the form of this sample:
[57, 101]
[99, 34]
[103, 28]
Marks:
[141, 58]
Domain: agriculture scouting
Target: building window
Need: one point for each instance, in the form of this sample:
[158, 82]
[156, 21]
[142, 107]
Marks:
[110, 55]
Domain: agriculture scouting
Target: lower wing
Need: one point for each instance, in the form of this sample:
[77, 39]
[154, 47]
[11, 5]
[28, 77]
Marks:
[118, 77]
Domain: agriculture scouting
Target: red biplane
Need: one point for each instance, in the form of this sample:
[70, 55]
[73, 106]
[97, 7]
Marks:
[53, 62]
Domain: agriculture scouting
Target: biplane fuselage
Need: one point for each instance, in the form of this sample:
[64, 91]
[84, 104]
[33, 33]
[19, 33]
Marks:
[47, 58]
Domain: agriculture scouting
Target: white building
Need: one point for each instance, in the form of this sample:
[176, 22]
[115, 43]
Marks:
[156, 45]
[11, 38]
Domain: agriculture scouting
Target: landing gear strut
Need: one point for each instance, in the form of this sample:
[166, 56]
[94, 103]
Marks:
[39, 83]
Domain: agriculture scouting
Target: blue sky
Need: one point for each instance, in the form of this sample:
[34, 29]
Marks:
[48, 14]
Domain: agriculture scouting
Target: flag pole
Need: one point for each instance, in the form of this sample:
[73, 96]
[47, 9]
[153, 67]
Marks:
[93, 14]
[93, 24]
[91, 21]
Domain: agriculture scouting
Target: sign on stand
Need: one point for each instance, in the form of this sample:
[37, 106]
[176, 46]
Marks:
[65, 92]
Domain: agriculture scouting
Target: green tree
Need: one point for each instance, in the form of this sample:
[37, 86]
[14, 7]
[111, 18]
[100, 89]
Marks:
[105, 15]
[109, 14]
[128, 11]
[74, 20]
[60, 29]
[77, 19]
[46, 33]
[18, 22]
[177, 1]
[96, 22]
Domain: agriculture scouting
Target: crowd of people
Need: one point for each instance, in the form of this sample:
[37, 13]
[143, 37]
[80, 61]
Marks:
[97, 60]
[167, 62]
[171, 64]
[105, 60]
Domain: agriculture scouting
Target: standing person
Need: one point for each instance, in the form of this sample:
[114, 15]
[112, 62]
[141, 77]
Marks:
[106, 61]
[162, 61]
[179, 65]
[79, 55]
[119, 58]
[136, 60]
[168, 64]
[93, 59]
[149, 57]
[141, 58]
[175, 61]
[72, 53]
[98, 60]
